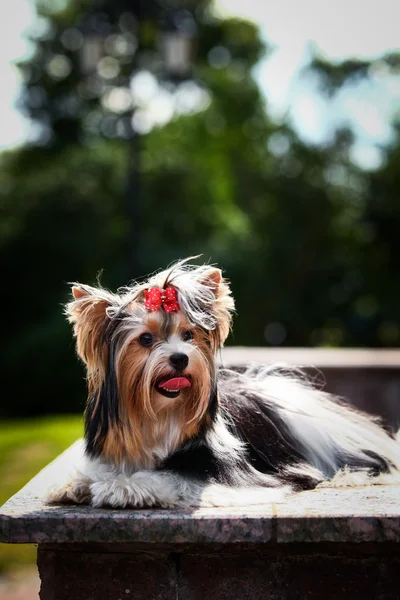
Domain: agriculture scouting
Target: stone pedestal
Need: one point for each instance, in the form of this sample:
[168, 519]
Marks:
[323, 544]
[245, 572]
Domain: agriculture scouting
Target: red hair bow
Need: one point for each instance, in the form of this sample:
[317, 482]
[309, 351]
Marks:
[155, 299]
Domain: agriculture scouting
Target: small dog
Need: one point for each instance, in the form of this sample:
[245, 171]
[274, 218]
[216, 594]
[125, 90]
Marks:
[165, 426]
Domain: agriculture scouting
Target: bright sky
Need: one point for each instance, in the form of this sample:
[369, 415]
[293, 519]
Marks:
[18, 16]
[340, 29]
[344, 28]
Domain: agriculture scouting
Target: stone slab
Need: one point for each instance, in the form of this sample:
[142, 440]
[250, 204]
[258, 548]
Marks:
[26, 519]
[374, 358]
[367, 514]
[363, 514]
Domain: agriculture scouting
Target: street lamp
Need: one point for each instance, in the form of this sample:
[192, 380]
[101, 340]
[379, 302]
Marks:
[176, 54]
[91, 52]
[94, 29]
[175, 35]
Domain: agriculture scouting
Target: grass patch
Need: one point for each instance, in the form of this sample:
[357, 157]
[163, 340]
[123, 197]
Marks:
[26, 446]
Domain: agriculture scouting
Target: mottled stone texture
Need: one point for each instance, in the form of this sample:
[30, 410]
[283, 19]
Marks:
[224, 573]
[364, 514]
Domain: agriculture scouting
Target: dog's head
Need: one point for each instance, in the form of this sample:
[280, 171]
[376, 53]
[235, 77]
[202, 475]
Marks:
[150, 355]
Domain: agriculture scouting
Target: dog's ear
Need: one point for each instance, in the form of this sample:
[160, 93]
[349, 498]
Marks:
[78, 291]
[87, 298]
[88, 312]
[224, 304]
[212, 278]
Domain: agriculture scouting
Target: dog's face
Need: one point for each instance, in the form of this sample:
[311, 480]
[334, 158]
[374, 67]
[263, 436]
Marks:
[146, 363]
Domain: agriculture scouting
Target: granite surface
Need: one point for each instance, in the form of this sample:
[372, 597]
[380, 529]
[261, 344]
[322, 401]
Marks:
[365, 514]
[362, 358]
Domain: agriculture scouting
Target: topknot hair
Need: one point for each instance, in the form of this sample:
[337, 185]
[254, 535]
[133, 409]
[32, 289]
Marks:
[203, 295]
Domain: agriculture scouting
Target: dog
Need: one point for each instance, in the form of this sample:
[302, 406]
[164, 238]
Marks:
[165, 426]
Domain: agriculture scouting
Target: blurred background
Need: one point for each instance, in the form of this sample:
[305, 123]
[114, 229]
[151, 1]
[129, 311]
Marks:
[264, 135]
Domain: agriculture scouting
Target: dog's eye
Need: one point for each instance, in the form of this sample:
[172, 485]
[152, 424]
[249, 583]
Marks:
[146, 339]
[187, 336]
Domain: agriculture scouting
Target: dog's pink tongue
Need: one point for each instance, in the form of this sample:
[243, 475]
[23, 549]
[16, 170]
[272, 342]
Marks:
[176, 383]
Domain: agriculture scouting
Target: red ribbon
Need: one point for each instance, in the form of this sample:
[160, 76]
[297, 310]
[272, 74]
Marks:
[155, 299]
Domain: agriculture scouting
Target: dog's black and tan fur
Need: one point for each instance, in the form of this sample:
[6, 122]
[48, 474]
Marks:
[232, 431]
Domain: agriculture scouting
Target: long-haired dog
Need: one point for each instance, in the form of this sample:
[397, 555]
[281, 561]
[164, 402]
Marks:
[165, 426]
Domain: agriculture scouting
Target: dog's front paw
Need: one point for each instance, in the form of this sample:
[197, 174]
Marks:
[137, 491]
[114, 494]
[72, 492]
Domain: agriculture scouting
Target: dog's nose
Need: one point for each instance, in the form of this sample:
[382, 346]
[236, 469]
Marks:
[179, 361]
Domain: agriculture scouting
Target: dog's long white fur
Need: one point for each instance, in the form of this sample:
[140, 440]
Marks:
[321, 427]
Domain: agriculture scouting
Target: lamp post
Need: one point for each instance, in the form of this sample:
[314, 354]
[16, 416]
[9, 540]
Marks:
[175, 40]
[175, 35]
[91, 52]
[94, 31]
[178, 30]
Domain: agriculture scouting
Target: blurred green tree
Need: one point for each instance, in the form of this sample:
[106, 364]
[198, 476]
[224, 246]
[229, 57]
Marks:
[65, 211]
[308, 239]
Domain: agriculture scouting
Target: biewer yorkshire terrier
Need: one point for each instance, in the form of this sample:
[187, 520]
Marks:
[166, 426]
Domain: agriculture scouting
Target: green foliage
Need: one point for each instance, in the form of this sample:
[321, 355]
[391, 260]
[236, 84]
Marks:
[332, 77]
[61, 221]
[25, 448]
[308, 240]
